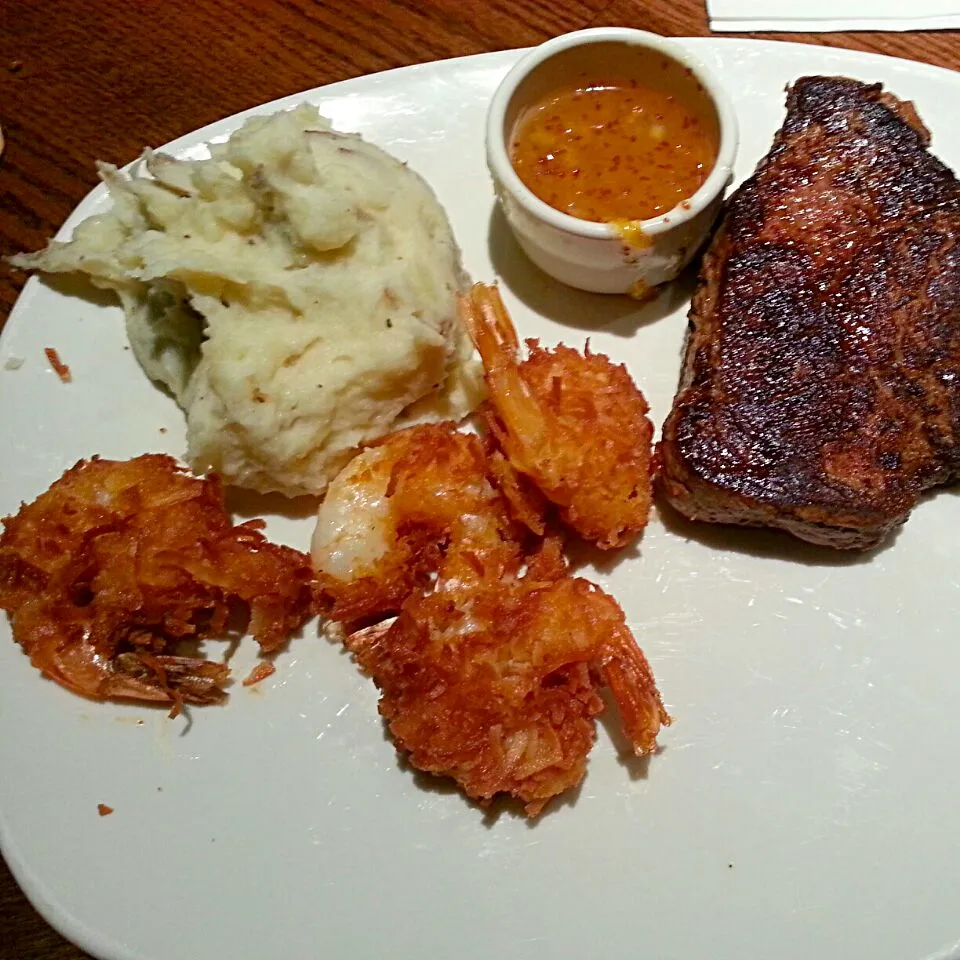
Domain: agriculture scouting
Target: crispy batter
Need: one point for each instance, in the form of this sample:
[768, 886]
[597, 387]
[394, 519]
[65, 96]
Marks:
[261, 671]
[105, 572]
[60, 368]
[574, 423]
[390, 514]
[494, 680]
[526, 503]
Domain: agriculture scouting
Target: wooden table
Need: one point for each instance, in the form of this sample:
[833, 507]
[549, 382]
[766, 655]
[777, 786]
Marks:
[81, 79]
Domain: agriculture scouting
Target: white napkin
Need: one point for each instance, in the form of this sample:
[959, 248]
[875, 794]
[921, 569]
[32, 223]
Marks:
[822, 16]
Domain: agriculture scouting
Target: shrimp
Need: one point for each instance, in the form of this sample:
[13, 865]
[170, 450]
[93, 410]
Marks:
[574, 423]
[492, 669]
[495, 681]
[391, 513]
[105, 573]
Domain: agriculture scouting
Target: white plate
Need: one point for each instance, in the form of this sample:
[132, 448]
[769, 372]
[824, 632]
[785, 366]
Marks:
[804, 804]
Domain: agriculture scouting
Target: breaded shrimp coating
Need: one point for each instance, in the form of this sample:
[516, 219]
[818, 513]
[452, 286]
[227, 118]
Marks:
[105, 573]
[574, 423]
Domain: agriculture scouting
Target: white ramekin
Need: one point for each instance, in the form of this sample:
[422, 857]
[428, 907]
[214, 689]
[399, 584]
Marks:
[580, 253]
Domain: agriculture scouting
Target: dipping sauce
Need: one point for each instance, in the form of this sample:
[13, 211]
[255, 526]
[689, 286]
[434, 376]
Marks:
[613, 151]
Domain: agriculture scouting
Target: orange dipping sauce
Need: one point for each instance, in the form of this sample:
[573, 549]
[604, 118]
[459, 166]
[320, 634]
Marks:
[613, 151]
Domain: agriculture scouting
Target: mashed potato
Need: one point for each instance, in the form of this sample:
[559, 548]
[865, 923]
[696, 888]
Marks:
[296, 293]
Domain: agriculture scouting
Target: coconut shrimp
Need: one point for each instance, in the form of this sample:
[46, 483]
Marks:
[495, 681]
[389, 518]
[574, 423]
[105, 573]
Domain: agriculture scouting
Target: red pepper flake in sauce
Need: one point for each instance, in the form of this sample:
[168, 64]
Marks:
[60, 368]
[589, 150]
[104, 810]
[260, 672]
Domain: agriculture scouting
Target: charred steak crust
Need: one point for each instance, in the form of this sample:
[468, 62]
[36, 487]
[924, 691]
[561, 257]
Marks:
[820, 391]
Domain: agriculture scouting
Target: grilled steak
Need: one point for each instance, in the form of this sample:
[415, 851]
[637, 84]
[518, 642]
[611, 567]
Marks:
[820, 392]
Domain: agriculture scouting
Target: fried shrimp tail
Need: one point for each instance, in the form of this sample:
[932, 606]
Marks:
[495, 337]
[574, 423]
[106, 573]
[627, 674]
